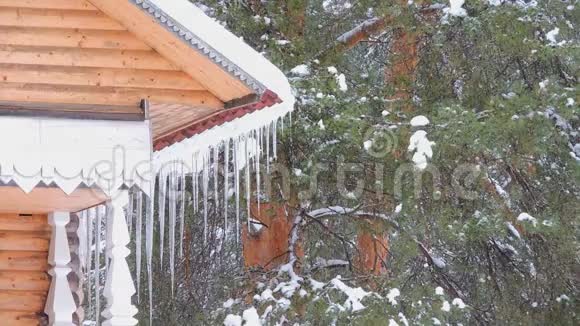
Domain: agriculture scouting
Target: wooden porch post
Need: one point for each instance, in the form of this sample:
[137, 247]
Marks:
[60, 304]
[76, 236]
[119, 287]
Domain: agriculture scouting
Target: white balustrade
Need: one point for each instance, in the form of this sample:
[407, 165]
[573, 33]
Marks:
[119, 287]
[60, 304]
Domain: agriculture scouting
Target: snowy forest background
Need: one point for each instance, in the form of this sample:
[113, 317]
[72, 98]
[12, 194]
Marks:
[428, 176]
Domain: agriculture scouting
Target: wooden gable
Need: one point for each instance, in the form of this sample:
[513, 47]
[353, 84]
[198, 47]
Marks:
[81, 55]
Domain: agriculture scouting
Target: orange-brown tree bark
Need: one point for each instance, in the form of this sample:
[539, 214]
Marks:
[265, 245]
[400, 74]
[373, 248]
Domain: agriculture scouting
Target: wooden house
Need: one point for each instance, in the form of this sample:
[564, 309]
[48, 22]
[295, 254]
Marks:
[98, 97]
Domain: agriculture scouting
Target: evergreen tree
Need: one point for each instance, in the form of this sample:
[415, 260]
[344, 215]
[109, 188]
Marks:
[450, 127]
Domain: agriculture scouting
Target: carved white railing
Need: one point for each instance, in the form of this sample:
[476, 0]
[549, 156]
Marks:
[119, 287]
[75, 232]
[60, 304]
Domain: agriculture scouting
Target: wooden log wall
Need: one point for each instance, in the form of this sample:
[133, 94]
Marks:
[24, 282]
[67, 51]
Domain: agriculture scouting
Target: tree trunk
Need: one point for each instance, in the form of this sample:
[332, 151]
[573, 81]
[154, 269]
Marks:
[295, 11]
[401, 73]
[265, 245]
[373, 249]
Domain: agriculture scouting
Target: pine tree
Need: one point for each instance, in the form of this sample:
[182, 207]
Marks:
[483, 230]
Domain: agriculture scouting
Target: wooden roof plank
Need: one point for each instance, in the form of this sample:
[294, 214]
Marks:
[225, 86]
[71, 38]
[52, 4]
[101, 77]
[114, 96]
[75, 57]
[33, 17]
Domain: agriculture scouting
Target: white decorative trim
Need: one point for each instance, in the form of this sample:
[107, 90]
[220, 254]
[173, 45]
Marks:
[60, 304]
[119, 287]
[70, 153]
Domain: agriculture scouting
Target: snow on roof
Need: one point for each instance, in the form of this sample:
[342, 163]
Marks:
[226, 45]
[249, 61]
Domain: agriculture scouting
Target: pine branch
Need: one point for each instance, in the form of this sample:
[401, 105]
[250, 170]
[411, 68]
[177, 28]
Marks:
[361, 32]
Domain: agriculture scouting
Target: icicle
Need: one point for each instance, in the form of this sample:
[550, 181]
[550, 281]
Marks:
[138, 240]
[105, 236]
[90, 219]
[282, 124]
[261, 138]
[215, 177]
[162, 194]
[182, 212]
[130, 211]
[149, 202]
[81, 235]
[205, 180]
[98, 264]
[237, 185]
[248, 181]
[268, 149]
[195, 187]
[172, 219]
[275, 139]
[257, 169]
[226, 186]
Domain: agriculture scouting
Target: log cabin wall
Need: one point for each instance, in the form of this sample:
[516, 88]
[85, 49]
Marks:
[69, 52]
[24, 282]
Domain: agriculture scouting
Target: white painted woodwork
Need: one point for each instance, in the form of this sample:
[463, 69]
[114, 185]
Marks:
[113, 153]
[76, 236]
[82, 235]
[60, 304]
[119, 287]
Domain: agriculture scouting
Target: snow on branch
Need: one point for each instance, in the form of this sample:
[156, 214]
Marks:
[329, 263]
[362, 32]
[294, 236]
[338, 210]
[366, 30]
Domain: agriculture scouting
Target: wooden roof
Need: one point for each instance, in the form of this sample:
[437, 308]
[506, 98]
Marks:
[86, 55]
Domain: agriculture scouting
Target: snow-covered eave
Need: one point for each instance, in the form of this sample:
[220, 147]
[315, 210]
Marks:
[267, 100]
[192, 149]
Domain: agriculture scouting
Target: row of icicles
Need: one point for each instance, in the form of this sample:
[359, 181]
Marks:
[254, 147]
